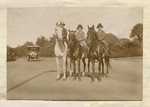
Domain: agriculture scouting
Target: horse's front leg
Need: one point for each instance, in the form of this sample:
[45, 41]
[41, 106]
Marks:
[84, 64]
[66, 63]
[99, 67]
[93, 69]
[70, 74]
[93, 66]
[74, 69]
[88, 66]
[79, 74]
[58, 68]
[107, 75]
[64, 68]
[107, 66]
[102, 67]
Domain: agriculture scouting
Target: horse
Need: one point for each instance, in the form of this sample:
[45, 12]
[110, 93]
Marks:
[75, 55]
[96, 52]
[60, 51]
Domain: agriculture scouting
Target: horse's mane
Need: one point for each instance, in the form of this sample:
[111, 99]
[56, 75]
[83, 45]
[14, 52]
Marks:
[58, 31]
[94, 35]
[74, 44]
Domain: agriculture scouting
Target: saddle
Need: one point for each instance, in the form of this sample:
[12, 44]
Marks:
[96, 49]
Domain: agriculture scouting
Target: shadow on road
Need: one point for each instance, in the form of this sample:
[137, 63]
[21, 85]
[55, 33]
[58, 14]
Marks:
[12, 88]
[35, 61]
[96, 75]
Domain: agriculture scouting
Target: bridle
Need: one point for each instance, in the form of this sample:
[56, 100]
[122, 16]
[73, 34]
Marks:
[91, 36]
[73, 43]
[56, 34]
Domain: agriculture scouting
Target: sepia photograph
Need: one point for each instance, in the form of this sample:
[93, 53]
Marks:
[75, 53]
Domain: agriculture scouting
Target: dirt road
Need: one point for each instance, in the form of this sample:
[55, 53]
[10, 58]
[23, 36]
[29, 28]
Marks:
[37, 80]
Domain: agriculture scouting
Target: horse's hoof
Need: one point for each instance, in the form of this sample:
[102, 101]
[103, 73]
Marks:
[83, 74]
[92, 81]
[99, 80]
[57, 79]
[70, 74]
[74, 78]
[79, 79]
[88, 74]
[100, 72]
[107, 75]
[64, 79]
[61, 73]
[102, 75]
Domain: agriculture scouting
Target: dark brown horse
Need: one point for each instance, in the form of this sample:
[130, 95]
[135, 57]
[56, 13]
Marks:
[96, 53]
[75, 52]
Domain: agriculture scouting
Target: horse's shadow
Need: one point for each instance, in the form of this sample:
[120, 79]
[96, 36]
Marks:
[61, 75]
[34, 60]
[30, 79]
[92, 76]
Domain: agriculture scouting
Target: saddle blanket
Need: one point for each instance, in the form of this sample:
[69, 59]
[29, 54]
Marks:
[83, 43]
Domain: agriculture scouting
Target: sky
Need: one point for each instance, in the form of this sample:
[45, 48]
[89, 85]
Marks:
[27, 24]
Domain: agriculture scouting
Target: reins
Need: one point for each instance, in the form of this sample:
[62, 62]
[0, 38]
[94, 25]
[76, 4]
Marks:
[94, 42]
[74, 45]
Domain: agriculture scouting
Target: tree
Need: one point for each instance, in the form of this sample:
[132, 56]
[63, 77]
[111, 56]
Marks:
[41, 41]
[137, 42]
[10, 54]
[28, 43]
[137, 32]
[111, 39]
[123, 42]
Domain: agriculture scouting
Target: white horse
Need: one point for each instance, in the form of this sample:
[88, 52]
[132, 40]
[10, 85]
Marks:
[60, 51]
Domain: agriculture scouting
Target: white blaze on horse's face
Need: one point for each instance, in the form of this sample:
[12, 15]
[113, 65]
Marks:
[58, 31]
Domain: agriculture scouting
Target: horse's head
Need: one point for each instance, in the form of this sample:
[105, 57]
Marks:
[71, 36]
[91, 34]
[58, 31]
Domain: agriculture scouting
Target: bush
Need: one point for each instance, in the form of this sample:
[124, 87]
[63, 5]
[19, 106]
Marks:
[119, 47]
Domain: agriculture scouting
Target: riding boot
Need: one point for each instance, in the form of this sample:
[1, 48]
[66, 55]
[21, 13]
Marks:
[106, 52]
[84, 55]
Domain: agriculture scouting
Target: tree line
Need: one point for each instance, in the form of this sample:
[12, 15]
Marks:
[119, 47]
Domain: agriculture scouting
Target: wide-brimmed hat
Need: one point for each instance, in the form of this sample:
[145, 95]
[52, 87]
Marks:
[80, 26]
[99, 25]
[62, 23]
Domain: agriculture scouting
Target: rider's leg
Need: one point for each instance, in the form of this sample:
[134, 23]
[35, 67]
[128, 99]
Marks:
[106, 48]
[84, 52]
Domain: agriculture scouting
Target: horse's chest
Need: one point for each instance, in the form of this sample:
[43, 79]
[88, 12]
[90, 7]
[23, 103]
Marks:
[59, 49]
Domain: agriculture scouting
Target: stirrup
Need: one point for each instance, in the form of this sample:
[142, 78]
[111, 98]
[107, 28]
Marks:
[95, 53]
[103, 55]
[83, 56]
[107, 54]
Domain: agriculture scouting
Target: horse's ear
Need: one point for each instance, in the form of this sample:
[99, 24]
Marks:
[75, 31]
[88, 27]
[56, 23]
[93, 26]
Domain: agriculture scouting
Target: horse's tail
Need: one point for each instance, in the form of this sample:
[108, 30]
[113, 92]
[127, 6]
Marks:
[107, 61]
